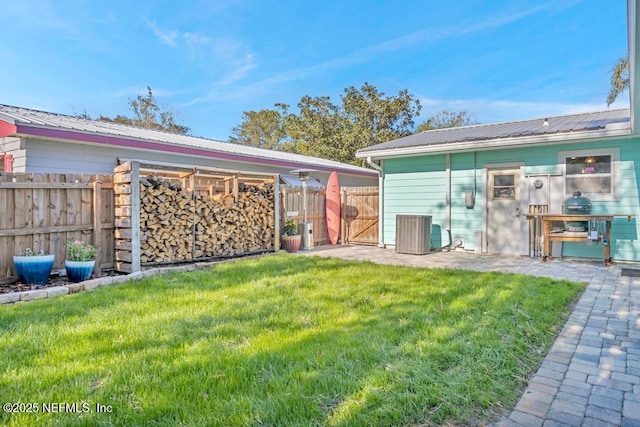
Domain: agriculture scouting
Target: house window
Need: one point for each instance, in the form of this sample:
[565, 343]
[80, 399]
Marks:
[504, 187]
[592, 172]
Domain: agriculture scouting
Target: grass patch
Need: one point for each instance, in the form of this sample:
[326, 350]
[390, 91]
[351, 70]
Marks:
[284, 340]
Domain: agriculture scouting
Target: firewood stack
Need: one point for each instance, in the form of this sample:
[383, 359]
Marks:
[176, 225]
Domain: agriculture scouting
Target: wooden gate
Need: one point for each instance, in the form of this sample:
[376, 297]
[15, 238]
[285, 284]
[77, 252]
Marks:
[360, 215]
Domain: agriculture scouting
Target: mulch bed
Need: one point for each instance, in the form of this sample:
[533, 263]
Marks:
[54, 280]
[21, 287]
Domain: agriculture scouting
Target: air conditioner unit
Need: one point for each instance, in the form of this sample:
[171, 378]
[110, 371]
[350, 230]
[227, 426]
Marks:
[413, 234]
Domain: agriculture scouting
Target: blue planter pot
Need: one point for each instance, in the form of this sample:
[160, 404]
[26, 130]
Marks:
[33, 270]
[79, 271]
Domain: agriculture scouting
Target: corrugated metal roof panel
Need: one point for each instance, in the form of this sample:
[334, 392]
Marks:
[495, 131]
[24, 116]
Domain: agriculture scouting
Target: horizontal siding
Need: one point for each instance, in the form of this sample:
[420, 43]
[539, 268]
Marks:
[60, 157]
[20, 164]
[9, 144]
[624, 234]
[410, 165]
[13, 146]
[416, 185]
[465, 221]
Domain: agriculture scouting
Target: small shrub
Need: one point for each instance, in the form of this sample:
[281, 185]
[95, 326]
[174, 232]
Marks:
[80, 251]
[30, 252]
[290, 228]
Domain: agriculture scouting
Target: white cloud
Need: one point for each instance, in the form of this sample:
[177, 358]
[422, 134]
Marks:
[369, 53]
[193, 39]
[227, 48]
[459, 30]
[231, 57]
[240, 69]
[166, 37]
[174, 37]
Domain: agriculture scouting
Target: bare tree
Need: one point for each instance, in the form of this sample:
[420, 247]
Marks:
[147, 115]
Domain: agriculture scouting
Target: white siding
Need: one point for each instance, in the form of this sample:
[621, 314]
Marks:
[13, 146]
[45, 156]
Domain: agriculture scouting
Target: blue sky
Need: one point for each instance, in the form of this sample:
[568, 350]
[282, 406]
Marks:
[208, 61]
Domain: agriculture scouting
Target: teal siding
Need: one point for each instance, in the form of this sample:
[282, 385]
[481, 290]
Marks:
[465, 221]
[624, 234]
[417, 185]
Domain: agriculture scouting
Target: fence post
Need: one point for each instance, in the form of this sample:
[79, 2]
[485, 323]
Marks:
[97, 225]
[192, 184]
[135, 216]
[343, 216]
[127, 223]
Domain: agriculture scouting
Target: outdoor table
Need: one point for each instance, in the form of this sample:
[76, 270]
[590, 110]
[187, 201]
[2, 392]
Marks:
[560, 235]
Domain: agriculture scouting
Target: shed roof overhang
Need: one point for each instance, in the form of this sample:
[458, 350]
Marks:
[32, 131]
[612, 131]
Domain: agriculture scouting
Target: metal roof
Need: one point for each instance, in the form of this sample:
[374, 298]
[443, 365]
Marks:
[480, 135]
[36, 123]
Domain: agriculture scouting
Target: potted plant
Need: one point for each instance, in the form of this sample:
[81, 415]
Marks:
[80, 260]
[291, 237]
[33, 268]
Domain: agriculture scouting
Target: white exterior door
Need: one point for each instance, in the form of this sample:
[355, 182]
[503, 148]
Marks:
[503, 211]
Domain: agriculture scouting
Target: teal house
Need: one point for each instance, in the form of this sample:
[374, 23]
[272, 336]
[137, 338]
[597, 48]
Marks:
[478, 183]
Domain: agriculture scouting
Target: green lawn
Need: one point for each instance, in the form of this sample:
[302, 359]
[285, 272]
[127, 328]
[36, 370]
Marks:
[283, 340]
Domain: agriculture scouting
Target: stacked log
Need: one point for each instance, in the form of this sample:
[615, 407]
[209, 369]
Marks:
[176, 225]
[166, 218]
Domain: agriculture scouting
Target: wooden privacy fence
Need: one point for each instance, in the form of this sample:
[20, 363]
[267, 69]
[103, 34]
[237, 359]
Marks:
[44, 211]
[359, 213]
[291, 208]
[180, 214]
[146, 214]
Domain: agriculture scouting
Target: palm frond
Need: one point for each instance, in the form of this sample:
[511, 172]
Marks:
[619, 79]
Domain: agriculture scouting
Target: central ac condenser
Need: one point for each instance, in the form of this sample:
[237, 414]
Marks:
[413, 234]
